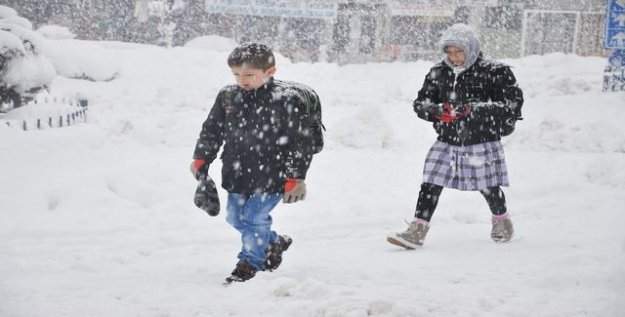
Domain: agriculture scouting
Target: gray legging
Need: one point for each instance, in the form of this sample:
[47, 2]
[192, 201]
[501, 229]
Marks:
[429, 194]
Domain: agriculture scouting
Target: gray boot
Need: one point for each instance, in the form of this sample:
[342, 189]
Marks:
[413, 236]
[502, 230]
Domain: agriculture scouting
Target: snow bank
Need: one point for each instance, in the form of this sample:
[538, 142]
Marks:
[69, 59]
[220, 44]
[213, 43]
[56, 32]
[17, 20]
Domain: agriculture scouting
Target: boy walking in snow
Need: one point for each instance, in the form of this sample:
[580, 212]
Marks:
[472, 102]
[267, 130]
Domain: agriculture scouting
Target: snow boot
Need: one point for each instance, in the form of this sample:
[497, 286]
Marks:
[242, 272]
[274, 254]
[502, 230]
[413, 236]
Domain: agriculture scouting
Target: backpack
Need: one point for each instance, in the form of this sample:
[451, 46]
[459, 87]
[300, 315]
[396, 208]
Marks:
[508, 124]
[313, 108]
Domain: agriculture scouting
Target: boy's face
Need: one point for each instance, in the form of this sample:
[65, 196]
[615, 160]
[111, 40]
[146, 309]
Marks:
[455, 55]
[250, 78]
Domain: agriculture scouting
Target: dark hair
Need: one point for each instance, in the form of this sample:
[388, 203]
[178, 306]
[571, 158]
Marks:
[252, 54]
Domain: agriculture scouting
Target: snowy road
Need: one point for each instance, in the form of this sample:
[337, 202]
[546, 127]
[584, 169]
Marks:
[97, 219]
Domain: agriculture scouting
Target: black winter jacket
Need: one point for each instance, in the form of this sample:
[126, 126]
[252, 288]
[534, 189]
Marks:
[266, 138]
[489, 88]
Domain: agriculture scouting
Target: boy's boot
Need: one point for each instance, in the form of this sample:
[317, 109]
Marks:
[242, 272]
[274, 254]
[413, 236]
[502, 230]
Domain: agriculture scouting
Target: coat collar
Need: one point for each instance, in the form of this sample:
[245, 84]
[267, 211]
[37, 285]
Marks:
[260, 90]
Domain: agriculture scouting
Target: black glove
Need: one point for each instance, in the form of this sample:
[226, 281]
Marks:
[206, 197]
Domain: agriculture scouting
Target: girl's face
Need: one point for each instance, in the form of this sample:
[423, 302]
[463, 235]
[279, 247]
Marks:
[250, 78]
[455, 55]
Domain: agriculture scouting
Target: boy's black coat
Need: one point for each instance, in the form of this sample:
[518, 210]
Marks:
[489, 87]
[266, 137]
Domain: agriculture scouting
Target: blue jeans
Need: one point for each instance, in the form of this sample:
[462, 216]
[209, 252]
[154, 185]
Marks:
[249, 214]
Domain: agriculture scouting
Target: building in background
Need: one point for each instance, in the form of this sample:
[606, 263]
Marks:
[343, 31]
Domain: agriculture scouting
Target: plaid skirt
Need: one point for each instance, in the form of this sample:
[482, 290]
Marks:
[471, 167]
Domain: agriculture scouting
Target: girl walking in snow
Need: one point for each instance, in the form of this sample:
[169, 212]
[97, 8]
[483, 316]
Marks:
[472, 102]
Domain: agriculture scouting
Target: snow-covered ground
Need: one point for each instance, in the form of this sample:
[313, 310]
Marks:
[98, 219]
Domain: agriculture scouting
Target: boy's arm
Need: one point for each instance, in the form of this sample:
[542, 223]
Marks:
[427, 106]
[211, 136]
[299, 140]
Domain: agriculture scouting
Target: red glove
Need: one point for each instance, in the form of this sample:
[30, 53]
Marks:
[449, 114]
[289, 184]
[294, 190]
[198, 166]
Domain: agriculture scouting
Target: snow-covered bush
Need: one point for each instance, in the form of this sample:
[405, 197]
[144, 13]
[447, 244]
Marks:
[10, 46]
[24, 70]
[70, 61]
[17, 20]
[29, 70]
[31, 40]
[6, 12]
